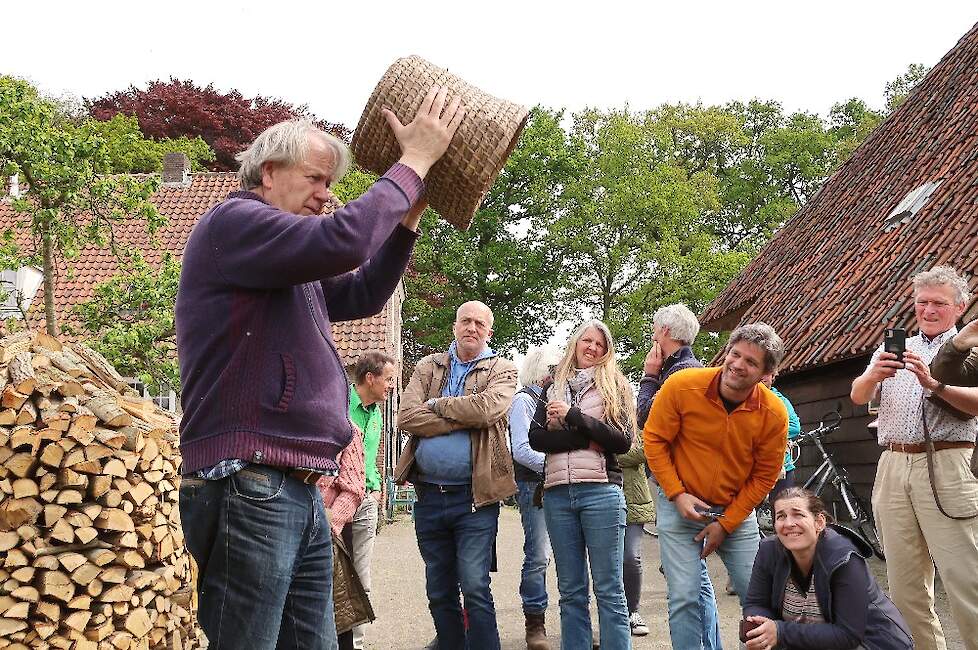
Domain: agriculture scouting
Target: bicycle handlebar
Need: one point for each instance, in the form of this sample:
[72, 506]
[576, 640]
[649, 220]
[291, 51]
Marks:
[830, 422]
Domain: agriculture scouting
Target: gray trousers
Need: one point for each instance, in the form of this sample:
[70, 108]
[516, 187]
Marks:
[364, 525]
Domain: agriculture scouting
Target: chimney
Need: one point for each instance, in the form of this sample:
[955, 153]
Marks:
[14, 187]
[176, 170]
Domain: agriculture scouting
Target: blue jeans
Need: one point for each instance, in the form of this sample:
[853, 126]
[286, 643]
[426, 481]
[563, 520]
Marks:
[632, 568]
[536, 551]
[684, 568]
[456, 545]
[708, 611]
[265, 559]
[586, 522]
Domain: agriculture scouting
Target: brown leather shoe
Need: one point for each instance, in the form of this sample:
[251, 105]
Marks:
[536, 632]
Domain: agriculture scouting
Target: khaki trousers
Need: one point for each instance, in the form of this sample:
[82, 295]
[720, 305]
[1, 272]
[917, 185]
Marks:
[364, 524]
[916, 536]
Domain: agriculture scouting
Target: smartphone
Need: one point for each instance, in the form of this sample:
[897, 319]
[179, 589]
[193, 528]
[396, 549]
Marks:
[745, 627]
[895, 341]
[712, 514]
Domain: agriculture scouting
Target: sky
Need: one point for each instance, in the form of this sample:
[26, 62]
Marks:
[572, 55]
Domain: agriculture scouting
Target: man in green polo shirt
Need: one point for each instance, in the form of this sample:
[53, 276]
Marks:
[373, 377]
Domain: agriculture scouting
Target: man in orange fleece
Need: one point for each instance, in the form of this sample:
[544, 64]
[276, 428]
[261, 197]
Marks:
[715, 441]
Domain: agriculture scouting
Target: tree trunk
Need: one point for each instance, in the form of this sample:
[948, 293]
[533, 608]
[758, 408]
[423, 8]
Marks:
[48, 254]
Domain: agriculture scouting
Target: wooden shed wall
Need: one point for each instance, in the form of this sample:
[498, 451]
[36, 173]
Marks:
[826, 388]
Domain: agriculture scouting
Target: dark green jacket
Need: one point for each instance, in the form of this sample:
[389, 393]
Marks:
[638, 497]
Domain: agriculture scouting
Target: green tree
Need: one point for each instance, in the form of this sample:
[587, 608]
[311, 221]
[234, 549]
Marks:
[851, 123]
[129, 319]
[633, 235]
[897, 90]
[504, 259]
[131, 153]
[72, 199]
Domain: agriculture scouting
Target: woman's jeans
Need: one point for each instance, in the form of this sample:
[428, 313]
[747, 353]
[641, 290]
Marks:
[684, 568]
[265, 558]
[586, 522]
[632, 570]
[536, 550]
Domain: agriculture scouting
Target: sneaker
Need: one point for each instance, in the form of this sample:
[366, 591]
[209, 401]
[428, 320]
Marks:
[638, 626]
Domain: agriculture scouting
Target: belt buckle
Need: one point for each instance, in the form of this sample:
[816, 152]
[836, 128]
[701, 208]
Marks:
[307, 476]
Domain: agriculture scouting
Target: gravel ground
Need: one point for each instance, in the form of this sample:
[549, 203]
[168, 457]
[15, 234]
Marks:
[403, 621]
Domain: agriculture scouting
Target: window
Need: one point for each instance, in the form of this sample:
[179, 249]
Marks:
[910, 205]
[165, 397]
[21, 286]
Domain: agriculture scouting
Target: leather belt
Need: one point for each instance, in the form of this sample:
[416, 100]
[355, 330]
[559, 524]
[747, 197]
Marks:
[921, 448]
[444, 489]
[307, 476]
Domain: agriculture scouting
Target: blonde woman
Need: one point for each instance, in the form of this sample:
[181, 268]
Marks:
[583, 419]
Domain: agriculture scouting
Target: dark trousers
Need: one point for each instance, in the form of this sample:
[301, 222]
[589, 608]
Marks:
[262, 545]
[456, 545]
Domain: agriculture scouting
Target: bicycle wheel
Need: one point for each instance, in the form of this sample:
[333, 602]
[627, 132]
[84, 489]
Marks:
[862, 519]
[765, 519]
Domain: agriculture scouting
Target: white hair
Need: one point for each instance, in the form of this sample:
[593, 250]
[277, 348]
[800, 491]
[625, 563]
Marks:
[539, 363]
[943, 276]
[682, 323]
[288, 143]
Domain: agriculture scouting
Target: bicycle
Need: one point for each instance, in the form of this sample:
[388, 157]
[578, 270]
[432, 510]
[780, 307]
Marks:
[830, 473]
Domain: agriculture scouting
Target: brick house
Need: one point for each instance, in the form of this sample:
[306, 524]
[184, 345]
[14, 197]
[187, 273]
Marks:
[839, 271]
[183, 197]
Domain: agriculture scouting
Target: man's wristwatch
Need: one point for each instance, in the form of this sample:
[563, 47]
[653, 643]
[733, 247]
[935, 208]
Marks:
[938, 389]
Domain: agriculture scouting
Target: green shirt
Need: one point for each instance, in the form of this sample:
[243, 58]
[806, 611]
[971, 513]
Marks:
[371, 422]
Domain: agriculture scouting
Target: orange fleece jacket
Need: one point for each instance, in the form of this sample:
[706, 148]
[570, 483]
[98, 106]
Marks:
[727, 459]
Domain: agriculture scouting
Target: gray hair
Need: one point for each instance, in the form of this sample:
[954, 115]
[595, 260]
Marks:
[682, 323]
[539, 363]
[288, 143]
[763, 336]
[946, 276]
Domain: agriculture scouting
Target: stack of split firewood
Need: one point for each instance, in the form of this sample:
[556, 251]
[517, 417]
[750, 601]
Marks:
[91, 550]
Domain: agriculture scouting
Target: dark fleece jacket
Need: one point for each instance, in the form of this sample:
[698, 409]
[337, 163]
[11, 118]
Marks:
[855, 608]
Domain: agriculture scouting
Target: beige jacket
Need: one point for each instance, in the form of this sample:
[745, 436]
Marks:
[484, 409]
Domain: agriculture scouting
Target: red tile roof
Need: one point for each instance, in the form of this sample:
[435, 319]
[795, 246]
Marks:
[832, 278]
[183, 205]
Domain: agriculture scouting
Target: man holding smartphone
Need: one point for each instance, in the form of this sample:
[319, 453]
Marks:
[715, 440]
[915, 533]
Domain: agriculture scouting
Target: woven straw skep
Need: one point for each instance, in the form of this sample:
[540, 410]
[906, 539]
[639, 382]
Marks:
[458, 182]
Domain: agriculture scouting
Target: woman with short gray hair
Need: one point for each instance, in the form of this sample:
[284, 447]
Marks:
[535, 373]
[680, 320]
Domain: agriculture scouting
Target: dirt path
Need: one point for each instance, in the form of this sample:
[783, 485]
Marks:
[404, 623]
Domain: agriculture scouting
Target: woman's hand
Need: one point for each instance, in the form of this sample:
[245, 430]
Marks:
[764, 636]
[556, 412]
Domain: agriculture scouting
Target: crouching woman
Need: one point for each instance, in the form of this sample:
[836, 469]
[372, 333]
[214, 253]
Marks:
[811, 586]
[583, 419]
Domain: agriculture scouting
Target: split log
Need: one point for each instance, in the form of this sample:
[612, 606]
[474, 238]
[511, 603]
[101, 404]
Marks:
[91, 551]
[21, 371]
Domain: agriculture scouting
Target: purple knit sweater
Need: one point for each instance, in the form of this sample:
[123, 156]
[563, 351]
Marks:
[262, 380]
